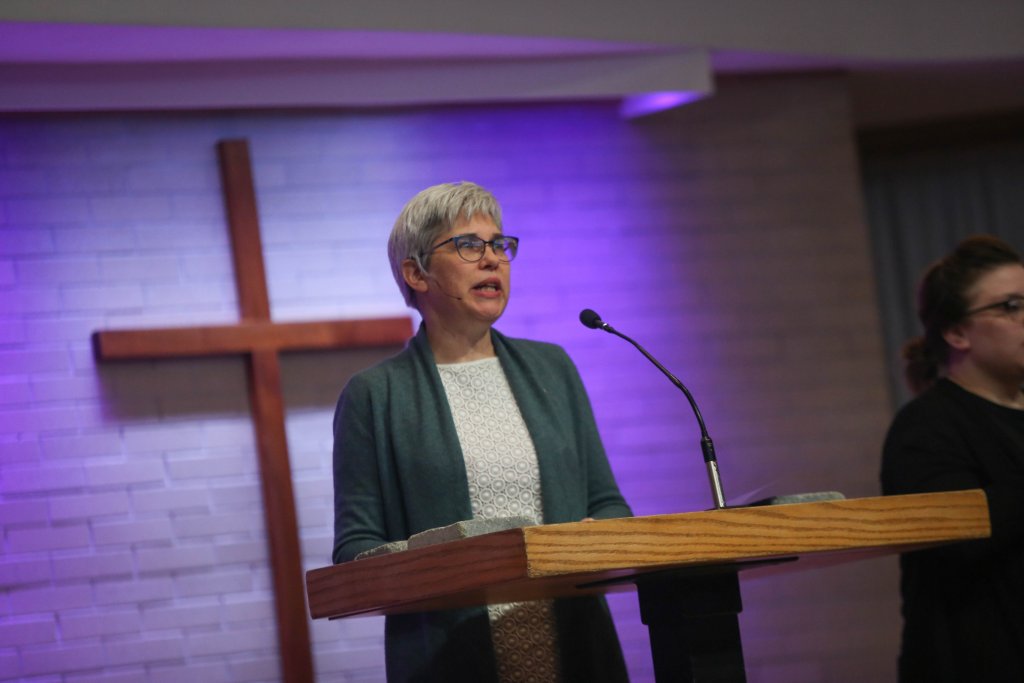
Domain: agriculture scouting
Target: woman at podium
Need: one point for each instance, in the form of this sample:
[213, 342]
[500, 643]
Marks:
[963, 605]
[467, 423]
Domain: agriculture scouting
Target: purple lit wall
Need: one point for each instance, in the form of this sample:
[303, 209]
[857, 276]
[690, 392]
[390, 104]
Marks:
[726, 236]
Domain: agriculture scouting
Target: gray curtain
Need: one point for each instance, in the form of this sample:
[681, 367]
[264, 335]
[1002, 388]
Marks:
[922, 199]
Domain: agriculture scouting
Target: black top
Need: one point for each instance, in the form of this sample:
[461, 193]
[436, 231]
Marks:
[963, 604]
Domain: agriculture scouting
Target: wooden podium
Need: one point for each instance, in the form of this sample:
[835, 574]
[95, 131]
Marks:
[685, 566]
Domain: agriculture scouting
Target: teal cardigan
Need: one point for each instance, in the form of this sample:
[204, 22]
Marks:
[399, 470]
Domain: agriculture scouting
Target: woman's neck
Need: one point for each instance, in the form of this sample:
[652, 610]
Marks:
[1005, 393]
[459, 346]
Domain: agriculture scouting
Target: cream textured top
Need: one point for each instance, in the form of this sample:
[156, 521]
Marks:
[501, 466]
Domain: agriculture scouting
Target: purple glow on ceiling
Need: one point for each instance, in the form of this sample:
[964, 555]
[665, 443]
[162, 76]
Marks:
[36, 42]
[653, 102]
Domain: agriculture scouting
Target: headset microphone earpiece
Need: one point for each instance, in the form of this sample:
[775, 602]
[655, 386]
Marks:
[450, 296]
[430, 275]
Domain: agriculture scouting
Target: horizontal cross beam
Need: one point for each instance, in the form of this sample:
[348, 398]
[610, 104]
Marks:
[246, 337]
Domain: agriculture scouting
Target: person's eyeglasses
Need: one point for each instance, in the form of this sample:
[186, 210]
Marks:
[471, 248]
[1012, 307]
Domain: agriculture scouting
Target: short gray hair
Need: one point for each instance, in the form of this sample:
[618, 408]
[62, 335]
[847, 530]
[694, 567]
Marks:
[431, 213]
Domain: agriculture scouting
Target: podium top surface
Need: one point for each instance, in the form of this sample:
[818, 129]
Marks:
[580, 558]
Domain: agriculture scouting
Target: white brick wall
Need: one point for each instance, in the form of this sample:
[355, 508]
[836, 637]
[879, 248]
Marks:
[26, 631]
[92, 625]
[726, 236]
[93, 566]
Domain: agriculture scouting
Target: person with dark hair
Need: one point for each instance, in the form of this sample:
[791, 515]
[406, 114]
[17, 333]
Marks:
[467, 423]
[963, 604]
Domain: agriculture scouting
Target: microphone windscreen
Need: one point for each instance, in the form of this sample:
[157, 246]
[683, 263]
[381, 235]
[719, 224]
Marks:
[590, 318]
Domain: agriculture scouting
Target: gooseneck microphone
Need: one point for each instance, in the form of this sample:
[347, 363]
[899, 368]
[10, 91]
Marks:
[594, 322]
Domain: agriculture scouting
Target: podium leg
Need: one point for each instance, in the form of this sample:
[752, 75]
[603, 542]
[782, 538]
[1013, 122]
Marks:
[694, 627]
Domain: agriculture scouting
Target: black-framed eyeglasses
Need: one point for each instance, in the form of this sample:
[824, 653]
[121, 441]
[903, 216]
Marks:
[472, 248]
[1012, 307]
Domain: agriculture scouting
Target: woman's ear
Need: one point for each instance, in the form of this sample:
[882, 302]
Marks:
[414, 276]
[957, 338]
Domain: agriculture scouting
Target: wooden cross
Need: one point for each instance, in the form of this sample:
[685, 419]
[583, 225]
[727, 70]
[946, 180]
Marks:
[261, 340]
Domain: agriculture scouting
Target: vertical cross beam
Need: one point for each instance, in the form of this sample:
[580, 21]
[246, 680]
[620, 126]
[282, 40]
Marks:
[267, 404]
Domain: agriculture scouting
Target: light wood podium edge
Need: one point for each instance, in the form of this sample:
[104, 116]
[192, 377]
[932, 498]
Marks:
[579, 558]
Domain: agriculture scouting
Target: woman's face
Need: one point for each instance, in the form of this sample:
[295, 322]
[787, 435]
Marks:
[993, 339]
[457, 292]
